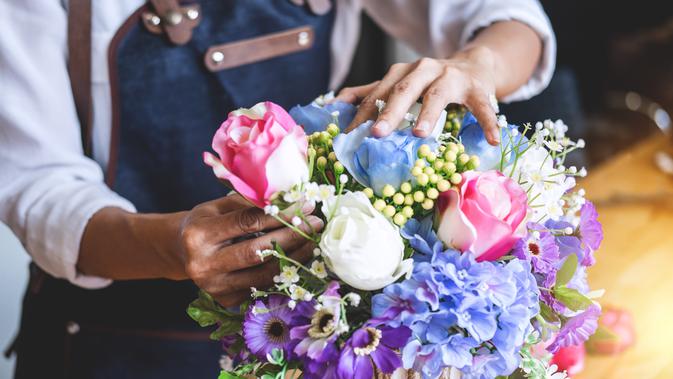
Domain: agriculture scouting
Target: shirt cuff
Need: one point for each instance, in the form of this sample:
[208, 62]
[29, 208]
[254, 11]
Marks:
[531, 14]
[56, 230]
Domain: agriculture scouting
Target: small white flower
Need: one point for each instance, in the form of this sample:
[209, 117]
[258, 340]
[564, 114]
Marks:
[296, 221]
[581, 143]
[353, 298]
[265, 253]
[292, 196]
[548, 124]
[316, 252]
[572, 170]
[343, 179]
[538, 125]
[318, 269]
[410, 117]
[226, 363]
[300, 293]
[582, 172]
[380, 104]
[271, 210]
[553, 373]
[502, 121]
[325, 192]
[341, 328]
[335, 114]
[554, 146]
[288, 275]
[291, 304]
[568, 230]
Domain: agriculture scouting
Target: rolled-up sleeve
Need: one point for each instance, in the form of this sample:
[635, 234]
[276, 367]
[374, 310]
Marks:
[48, 189]
[439, 28]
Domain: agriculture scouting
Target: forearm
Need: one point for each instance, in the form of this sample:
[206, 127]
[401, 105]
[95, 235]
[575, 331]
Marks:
[514, 50]
[120, 245]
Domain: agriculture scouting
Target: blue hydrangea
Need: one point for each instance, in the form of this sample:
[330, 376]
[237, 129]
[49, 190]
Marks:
[455, 305]
[472, 136]
[315, 117]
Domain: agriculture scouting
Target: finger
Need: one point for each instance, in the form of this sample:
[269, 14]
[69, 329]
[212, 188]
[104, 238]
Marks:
[403, 95]
[239, 223]
[225, 204]
[368, 109]
[448, 88]
[244, 254]
[478, 103]
[354, 95]
[262, 276]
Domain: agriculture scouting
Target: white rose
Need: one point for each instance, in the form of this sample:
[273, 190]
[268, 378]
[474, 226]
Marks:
[361, 246]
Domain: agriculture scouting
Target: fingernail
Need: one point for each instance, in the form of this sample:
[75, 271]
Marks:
[382, 126]
[423, 126]
[315, 222]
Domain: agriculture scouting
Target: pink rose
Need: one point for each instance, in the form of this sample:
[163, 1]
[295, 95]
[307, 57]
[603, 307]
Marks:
[485, 216]
[570, 359]
[261, 151]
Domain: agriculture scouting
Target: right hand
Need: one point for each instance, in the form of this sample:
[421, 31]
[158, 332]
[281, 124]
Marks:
[226, 269]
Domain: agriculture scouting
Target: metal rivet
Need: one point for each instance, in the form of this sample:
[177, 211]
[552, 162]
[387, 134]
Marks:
[72, 327]
[155, 20]
[173, 18]
[192, 14]
[303, 38]
[217, 57]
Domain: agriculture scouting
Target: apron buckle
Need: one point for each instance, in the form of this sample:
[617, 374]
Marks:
[169, 18]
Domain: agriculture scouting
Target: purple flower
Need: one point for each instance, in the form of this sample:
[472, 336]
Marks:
[591, 232]
[577, 329]
[316, 330]
[325, 369]
[539, 248]
[234, 348]
[267, 327]
[372, 346]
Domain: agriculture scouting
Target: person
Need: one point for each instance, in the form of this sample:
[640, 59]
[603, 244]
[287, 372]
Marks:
[108, 193]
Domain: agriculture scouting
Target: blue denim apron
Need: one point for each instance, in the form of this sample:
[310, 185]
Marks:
[167, 106]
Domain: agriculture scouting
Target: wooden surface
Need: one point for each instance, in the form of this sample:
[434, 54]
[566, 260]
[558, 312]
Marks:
[635, 262]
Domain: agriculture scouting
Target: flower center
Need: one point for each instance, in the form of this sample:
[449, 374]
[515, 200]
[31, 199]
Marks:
[322, 324]
[276, 330]
[533, 248]
[374, 339]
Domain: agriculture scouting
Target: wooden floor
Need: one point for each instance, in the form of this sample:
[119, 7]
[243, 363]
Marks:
[635, 263]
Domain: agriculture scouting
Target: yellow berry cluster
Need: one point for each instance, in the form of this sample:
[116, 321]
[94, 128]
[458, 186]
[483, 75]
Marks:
[453, 121]
[326, 167]
[434, 173]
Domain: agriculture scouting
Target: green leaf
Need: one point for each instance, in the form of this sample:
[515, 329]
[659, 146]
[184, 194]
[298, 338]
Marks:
[268, 376]
[572, 298]
[567, 271]
[547, 313]
[226, 328]
[228, 375]
[206, 311]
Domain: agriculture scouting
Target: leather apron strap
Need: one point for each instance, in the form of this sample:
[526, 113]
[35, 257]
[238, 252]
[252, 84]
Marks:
[79, 65]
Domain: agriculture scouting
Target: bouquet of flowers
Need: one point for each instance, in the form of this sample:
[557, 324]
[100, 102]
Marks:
[440, 256]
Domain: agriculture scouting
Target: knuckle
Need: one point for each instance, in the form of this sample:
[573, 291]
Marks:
[397, 67]
[249, 220]
[195, 270]
[425, 62]
[451, 72]
[435, 93]
[192, 237]
[401, 87]
[368, 102]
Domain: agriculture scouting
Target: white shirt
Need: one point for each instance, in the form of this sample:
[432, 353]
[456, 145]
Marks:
[49, 190]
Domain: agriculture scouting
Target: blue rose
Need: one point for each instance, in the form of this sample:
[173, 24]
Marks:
[375, 162]
[472, 136]
[315, 117]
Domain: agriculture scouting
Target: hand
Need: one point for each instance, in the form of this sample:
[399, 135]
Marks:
[467, 78]
[227, 270]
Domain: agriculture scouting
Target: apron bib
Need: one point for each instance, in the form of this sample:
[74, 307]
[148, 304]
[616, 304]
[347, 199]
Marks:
[168, 100]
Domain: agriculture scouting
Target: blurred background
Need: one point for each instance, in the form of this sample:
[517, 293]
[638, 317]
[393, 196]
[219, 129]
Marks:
[613, 86]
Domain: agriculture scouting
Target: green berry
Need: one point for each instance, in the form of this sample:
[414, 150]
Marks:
[369, 192]
[423, 179]
[389, 211]
[405, 187]
[456, 178]
[388, 190]
[398, 198]
[419, 196]
[379, 205]
[432, 193]
[428, 204]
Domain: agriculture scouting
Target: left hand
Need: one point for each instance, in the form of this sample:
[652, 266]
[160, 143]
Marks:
[467, 78]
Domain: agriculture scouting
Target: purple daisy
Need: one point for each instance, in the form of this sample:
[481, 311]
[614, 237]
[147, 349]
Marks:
[267, 327]
[372, 346]
[325, 369]
[539, 248]
[591, 232]
[577, 329]
[318, 328]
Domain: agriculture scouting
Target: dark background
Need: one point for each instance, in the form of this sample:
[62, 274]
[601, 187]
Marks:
[605, 50]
